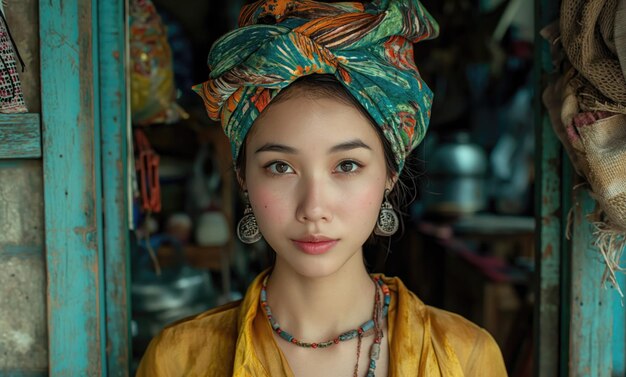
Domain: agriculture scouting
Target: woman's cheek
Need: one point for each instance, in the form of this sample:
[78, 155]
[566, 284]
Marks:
[364, 204]
[269, 203]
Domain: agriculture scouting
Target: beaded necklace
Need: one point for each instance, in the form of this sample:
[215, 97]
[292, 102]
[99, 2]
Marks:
[373, 325]
[375, 349]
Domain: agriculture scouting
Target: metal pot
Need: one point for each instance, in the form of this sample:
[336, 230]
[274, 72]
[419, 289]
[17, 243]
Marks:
[170, 291]
[456, 173]
[177, 286]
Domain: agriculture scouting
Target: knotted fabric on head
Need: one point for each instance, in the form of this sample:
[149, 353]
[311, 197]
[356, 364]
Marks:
[367, 47]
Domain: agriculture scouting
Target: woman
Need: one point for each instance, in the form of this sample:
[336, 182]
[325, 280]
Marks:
[322, 103]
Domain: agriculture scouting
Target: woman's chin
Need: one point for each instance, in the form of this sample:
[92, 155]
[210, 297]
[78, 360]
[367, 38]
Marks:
[318, 266]
[312, 269]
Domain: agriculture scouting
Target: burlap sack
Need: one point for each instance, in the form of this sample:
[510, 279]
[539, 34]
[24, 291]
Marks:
[587, 106]
[561, 100]
[620, 34]
[588, 37]
[603, 136]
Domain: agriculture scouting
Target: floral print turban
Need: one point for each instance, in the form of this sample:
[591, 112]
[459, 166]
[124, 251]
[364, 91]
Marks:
[368, 47]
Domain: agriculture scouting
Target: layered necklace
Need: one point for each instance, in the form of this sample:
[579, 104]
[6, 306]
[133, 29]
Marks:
[367, 328]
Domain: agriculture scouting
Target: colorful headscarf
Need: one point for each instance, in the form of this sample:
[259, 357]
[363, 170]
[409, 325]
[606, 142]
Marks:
[367, 47]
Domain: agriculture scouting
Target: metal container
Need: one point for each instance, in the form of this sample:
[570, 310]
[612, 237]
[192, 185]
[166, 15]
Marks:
[177, 286]
[456, 173]
[171, 291]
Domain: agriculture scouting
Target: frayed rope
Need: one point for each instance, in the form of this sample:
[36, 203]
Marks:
[611, 242]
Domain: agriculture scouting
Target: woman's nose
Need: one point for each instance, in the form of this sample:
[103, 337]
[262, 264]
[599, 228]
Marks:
[314, 203]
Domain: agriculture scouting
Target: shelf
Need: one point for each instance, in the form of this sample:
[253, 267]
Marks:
[20, 135]
[203, 257]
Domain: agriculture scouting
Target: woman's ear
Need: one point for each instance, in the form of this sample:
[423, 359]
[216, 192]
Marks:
[391, 182]
[240, 180]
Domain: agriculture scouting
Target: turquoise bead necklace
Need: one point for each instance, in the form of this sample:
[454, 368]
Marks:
[373, 325]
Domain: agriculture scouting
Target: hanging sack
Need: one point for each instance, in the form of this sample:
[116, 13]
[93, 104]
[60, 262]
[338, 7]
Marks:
[588, 30]
[592, 128]
[11, 97]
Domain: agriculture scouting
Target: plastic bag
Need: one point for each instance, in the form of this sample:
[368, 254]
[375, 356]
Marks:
[153, 92]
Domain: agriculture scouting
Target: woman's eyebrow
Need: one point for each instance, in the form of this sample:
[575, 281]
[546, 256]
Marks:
[269, 147]
[349, 145]
[342, 147]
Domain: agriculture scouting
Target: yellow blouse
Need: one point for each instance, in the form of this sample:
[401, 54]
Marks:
[423, 341]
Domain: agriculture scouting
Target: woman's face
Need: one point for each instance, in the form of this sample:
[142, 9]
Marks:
[316, 176]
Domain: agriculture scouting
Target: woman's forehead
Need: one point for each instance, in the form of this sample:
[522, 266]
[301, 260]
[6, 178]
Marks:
[302, 119]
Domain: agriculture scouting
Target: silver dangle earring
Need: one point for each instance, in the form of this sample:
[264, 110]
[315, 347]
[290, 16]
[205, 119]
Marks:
[247, 228]
[388, 222]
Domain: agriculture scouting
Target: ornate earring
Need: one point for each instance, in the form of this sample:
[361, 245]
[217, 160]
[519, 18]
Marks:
[388, 222]
[247, 228]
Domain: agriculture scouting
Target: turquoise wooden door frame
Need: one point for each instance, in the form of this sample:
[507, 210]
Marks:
[579, 326]
[84, 129]
[115, 125]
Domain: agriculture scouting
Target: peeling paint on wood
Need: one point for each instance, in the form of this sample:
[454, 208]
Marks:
[20, 251]
[591, 327]
[619, 332]
[20, 136]
[548, 213]
[114, 123]
[21, 373]
[549, 244]
[72, 173]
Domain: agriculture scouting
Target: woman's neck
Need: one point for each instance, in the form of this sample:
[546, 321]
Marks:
[318, 309]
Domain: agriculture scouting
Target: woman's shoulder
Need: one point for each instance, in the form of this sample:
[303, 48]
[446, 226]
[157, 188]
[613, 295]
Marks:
[218, 318]
[455, 327]
[205, 339]
[452, 335]
[215, 325]
[475, 349]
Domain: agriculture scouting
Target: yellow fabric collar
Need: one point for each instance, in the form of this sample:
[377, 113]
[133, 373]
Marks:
[415, 352]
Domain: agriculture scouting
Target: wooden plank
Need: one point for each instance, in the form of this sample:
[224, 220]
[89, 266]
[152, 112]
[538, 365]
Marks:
[72, 194]
[549, 227]
[20, 136]
[200, 257]
[115, 123]
[591, 326]
[567, 184]
[20, 251]
[21, 373]
[548, 263]
[619, 331]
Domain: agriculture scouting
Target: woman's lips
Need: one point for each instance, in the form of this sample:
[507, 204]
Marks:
[315, 246]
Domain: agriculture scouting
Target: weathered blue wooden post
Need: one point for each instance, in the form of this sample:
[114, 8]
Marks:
[549, 211]
[83, 91]
[115, 125]
[72, 187]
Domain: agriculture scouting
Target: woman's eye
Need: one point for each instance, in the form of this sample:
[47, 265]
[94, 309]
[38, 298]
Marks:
[279, 167]
[348, 167]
